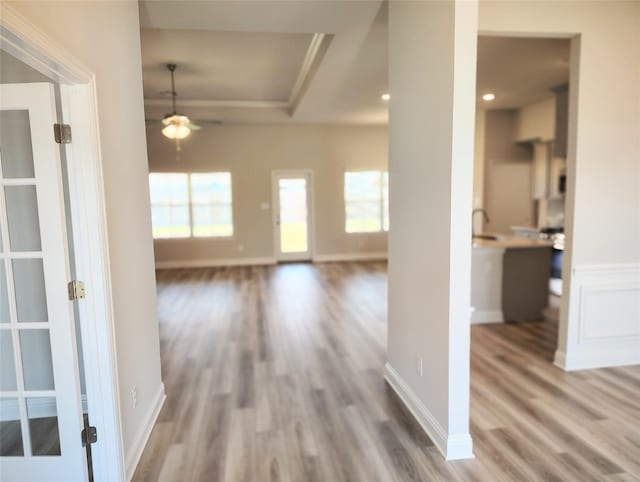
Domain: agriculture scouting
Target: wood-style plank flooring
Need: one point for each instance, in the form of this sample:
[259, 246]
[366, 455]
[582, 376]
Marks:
[275, 374]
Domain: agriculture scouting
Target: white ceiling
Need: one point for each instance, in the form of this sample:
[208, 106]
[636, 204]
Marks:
[520, 71]
[242, 60]
[255, 61]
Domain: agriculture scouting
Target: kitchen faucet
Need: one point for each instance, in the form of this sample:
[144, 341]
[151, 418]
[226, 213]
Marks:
[484, 215]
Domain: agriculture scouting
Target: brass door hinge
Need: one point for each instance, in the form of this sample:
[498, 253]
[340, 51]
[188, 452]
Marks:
[76, 290]
[62, 133]
[89, 436]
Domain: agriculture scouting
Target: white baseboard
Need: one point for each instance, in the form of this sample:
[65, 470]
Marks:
[329, 258]
[604, 317]
[140, 441]
[486, 316]
[212, 263]
[452, 446]
[598, 358]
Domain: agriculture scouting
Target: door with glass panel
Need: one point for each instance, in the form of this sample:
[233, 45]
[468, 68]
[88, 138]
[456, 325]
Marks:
[40, 404]
[292, 219]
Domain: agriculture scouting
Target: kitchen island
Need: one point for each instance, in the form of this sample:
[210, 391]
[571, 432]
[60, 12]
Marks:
[509, 279]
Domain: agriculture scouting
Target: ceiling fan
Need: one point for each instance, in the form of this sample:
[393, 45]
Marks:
[176, 126]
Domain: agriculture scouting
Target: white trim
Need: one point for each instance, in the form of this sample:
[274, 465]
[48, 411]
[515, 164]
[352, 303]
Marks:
[211, 263]
[243, 104]
[604, 319]
[595, 358]
[275, 213]
[486, 316]
[610, 268]
[89, 222]
[140, 440]
[317, 47]
[363, 256]
[452, 446]
[24, 41]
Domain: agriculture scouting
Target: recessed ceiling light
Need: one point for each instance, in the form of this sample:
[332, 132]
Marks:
[488, 97]
[385, 97]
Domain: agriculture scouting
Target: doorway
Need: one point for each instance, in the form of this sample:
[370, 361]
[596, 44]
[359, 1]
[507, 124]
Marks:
[44, 185]
[519, 183]
[292, 215]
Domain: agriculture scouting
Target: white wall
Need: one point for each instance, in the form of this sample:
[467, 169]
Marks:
[432, 48]
[251, 153]
[105, 37]
[603, 170]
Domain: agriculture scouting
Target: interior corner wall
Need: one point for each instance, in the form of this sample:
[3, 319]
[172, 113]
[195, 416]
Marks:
[251, 153]
[507, 174]
[105, 37]
[600, 317]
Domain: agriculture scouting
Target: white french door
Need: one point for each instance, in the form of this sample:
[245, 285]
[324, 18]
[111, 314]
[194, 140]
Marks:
[40, 405]
[292, 218]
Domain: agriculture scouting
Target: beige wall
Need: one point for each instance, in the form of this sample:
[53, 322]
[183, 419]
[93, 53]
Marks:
[507, 174]
[251, 153]
[105, 37]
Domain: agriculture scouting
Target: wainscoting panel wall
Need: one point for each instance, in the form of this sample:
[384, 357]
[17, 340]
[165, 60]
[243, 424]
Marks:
[604, 319]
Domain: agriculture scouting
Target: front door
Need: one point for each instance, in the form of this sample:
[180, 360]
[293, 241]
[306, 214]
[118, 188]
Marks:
[291, 204]
[40, 405]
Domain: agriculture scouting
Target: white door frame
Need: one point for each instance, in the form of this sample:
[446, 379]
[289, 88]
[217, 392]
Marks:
[275, 202]
[86, 192]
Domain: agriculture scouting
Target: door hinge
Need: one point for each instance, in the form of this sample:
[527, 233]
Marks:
[62, 133]
[76, 290]
[89, 436]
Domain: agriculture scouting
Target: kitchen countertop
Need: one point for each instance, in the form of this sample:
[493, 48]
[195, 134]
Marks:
[512, 242]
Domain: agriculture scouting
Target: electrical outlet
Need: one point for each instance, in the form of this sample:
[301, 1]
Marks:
[134, 397]
[241, 247]
[419, 365]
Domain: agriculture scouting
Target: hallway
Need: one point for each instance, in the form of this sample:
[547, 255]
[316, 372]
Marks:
[275, 374]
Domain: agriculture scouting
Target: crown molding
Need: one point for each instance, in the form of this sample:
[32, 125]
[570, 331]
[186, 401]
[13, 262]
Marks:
[317, 48]
[243, 104]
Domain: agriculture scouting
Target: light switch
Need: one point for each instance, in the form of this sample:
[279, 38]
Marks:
[264, 206]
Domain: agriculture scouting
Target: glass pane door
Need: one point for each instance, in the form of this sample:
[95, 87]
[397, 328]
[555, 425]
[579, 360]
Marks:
[40, 416]
[292, 223]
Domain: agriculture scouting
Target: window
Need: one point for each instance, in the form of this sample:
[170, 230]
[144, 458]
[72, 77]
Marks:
[191, 205]
[211, 204]
[366, 199]
[170, 205]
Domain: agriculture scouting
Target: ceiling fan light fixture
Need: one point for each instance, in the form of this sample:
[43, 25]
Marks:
[176, 126]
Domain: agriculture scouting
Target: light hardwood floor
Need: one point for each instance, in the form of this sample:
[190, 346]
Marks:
[275, 374]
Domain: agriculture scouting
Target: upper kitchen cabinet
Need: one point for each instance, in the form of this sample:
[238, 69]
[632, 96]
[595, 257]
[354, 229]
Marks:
[561, 120]
[536, 122]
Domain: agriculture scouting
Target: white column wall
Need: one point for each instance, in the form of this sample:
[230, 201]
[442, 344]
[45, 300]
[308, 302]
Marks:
[432, 50]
